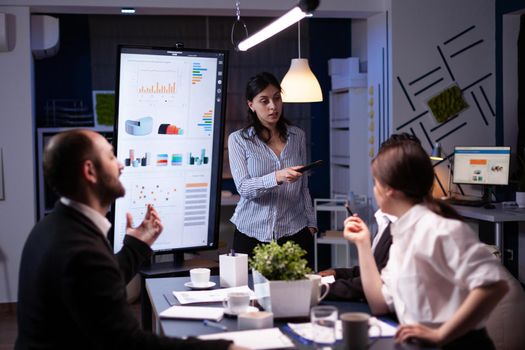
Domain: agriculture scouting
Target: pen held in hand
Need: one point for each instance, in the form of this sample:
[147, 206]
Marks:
[214, 324]
[348, 210]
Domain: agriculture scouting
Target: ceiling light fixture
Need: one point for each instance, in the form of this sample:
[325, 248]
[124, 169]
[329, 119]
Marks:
[127, 10]
[300, 84]
[303, 8]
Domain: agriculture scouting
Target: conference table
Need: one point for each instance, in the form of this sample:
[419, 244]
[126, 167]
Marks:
[160, 293]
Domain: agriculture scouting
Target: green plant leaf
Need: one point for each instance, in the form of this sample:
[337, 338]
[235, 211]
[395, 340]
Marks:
[276, 262]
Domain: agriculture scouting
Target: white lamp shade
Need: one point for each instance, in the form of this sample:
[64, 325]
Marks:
[300, 84]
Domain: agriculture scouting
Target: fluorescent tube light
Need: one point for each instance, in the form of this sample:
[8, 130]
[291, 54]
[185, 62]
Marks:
[303, 8]
[127, 10]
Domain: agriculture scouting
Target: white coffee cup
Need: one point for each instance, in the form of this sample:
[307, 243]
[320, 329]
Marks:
[236, 302]
[200, 277]
[317, 285]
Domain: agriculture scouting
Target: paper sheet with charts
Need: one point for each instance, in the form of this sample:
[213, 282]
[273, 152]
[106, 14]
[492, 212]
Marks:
[193, 312]
[210, 296]
[304, 330]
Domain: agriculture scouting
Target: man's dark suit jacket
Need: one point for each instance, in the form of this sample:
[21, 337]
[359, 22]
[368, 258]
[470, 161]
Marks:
[347, 285]
[72, 290]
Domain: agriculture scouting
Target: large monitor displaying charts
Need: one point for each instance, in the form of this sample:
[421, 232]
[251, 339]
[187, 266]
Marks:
[481, 165]
[169, 137]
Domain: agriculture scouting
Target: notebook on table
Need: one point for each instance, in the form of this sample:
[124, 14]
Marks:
[194, 312]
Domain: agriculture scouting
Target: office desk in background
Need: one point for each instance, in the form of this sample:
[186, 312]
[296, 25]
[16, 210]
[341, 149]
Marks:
[497, 215]
[161, 288]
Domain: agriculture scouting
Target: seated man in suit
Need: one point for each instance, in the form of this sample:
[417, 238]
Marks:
[347, 285]
[71, 291]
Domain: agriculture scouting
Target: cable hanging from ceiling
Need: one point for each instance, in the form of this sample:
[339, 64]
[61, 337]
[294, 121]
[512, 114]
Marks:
[238, 23]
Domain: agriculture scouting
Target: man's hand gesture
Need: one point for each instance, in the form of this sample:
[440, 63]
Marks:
[148, 230]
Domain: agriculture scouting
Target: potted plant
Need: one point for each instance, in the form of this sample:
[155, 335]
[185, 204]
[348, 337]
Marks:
[279, 279]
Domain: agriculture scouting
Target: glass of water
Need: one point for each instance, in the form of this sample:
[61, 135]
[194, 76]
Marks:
[324, 319]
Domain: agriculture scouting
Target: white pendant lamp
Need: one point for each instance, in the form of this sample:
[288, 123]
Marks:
[300, 84]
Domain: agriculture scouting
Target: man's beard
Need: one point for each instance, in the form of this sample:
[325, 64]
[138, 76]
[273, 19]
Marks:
[108, 188]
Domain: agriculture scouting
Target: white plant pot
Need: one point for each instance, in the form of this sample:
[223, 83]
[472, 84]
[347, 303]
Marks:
[283, 298]
[520, 199]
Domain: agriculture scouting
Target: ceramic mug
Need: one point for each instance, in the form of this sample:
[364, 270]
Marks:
[200, 277]
[317, 286]
[236, 302]
[355, 330]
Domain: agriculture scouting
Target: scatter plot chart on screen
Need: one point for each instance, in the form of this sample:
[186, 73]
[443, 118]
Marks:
[160, 193]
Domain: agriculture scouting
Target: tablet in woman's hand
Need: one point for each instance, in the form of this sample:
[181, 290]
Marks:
[310, 166]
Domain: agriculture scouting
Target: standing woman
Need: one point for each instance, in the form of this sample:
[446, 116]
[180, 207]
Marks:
[275, 202]
[440, 280]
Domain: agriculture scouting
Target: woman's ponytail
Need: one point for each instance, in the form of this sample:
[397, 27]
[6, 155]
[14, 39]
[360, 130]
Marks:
[441, 207]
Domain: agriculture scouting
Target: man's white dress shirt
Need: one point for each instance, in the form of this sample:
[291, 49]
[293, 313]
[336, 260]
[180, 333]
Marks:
[383, 220]
[99, 220]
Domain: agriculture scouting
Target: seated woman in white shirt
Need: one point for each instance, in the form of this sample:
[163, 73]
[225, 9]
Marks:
[440, 280]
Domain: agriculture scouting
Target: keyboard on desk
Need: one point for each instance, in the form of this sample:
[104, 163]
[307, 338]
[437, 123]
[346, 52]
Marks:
[466, 201]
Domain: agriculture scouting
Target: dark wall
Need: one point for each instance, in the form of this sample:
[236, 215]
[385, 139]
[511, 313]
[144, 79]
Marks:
[329, 38]
[66, 75]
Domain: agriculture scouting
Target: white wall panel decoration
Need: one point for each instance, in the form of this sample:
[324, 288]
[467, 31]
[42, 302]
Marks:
[447, 42]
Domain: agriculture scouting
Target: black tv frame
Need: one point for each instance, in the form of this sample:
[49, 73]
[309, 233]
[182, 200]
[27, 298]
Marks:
[216, 157]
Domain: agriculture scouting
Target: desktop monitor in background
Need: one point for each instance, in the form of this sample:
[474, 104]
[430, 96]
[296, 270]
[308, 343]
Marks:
[485, 166]
[169, 137]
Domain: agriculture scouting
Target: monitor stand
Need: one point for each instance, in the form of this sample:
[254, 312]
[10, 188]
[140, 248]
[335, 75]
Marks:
[487, 197]
[488, 190]
[177, 267]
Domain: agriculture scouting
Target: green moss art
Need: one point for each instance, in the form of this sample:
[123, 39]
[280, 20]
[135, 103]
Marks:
[105, 109]
[447, 103]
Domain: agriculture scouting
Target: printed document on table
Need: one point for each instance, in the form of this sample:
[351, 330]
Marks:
[210, 296]
[259, 339]
[305, 330]
[194, 312]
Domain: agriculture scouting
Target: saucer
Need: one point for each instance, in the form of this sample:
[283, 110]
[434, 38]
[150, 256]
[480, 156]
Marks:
[208, 285]
[227, 312]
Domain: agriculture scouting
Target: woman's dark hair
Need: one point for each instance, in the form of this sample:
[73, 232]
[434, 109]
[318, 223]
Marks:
[403, 165]
[255, 85]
